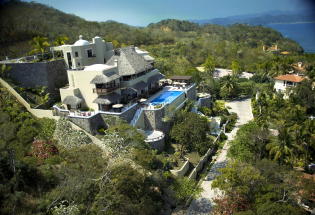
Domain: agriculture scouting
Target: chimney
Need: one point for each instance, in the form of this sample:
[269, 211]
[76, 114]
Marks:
[300, 64]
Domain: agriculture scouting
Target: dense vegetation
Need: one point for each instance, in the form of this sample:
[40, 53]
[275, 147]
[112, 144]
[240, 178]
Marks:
[49, 168]
[262, 177]
[47, 172]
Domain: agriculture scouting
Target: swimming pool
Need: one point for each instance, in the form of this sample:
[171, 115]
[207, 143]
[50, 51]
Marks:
[166, 97]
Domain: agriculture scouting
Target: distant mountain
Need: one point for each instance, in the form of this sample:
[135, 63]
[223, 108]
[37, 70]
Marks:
[263, 18]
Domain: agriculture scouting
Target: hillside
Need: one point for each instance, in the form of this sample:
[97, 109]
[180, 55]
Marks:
[182, 42]
[21, 21]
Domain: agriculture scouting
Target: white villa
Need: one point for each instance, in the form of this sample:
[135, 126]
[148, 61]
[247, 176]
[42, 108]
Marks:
[104, 82]
[100, 77]
[284, 82]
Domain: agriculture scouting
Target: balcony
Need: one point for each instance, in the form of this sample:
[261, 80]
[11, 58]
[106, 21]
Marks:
[102, 91]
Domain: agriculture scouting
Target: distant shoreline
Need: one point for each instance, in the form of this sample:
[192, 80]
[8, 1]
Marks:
[278, 23]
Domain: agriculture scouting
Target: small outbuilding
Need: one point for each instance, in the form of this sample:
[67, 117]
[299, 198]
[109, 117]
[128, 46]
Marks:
[182, 79]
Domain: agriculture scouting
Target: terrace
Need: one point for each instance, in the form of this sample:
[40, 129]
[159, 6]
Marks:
[170, 93]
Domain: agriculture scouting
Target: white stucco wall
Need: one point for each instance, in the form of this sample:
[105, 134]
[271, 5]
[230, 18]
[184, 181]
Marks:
[100, 50]
[283, 85]
[81, 80]
[279, 85]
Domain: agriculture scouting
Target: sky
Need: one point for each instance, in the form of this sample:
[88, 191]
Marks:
[143, 12]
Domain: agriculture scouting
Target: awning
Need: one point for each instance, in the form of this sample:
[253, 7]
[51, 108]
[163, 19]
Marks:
[72, 100]
[107, 99]
[101, 79]
[155, 78]
[140, 86]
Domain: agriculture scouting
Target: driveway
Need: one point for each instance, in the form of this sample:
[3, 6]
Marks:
[204, 203]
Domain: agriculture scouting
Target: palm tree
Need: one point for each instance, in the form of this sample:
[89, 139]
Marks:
[209, 65]
[61, 40]
[304, 136]
[39, 45]
[281, 149]
[229, 87]
[236, 69]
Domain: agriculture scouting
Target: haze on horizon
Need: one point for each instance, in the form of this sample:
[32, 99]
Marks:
[142, 12]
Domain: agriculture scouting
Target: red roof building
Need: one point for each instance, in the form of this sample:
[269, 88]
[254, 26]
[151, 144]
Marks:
[291, 78]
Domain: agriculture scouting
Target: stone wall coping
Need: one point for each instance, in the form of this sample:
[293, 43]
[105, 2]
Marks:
[17, 61]
[93, 113]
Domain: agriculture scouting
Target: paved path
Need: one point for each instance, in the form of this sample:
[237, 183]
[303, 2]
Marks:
[203, 204]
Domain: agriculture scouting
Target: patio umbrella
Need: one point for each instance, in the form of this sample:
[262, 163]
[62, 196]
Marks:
[143, 100]
[118, 106]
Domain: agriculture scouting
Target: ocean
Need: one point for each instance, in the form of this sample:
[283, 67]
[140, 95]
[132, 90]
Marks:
[303, 33]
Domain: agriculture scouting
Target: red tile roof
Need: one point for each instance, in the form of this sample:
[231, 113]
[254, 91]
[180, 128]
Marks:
[292, 78]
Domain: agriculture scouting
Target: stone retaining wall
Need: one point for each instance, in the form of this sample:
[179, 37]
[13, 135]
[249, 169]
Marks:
[205, 102]
[153, 119]
[192, 93]
[93, 123]
[158, 145]
[51, 74]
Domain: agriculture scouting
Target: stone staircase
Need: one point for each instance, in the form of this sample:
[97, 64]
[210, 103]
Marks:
[136, 117]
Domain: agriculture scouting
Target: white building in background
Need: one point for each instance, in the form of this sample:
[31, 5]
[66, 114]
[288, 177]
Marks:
[84, 53]
[100, 77]
[284, 82]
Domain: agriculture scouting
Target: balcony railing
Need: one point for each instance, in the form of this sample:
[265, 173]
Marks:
[105, 90]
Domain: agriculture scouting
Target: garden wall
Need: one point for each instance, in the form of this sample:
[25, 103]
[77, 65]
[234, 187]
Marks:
[182, 171]
[205, 158]
[36, 112]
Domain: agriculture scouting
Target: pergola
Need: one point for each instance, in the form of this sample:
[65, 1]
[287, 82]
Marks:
[181, 79]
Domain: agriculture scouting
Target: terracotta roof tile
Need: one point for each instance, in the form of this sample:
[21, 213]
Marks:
[292, 78]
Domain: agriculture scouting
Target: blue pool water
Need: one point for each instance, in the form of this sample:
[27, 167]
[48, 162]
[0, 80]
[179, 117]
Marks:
[166, 97]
